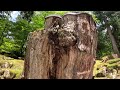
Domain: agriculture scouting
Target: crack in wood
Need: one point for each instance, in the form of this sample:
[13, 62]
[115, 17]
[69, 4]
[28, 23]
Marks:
[55, 59]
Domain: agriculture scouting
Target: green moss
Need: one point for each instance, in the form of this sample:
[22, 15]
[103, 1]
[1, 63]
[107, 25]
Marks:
[17, 72]
[113, 61]
[111, 64]
[17, 67]
[96, 66]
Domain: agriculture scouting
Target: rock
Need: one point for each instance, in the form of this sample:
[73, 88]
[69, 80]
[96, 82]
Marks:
[110, 76]
[7, 65]
[104, 70]
[114, 74]
[6, 74]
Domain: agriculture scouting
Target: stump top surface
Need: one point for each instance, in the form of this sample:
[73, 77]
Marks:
[53, 16]
[74, 13]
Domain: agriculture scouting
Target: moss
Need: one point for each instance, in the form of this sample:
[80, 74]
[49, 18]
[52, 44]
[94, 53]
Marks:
[17, 72]
[97, 65]
[17, 67]
[111, 64]
[113, 61]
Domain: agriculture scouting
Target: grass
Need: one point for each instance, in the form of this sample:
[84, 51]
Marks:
[17, 67]
[111, 61]
[111, 64]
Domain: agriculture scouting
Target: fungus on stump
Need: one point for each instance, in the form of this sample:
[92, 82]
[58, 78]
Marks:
[66, 49]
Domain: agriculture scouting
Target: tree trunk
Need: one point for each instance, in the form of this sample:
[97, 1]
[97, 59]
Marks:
[66, 49]
[115, 48]
[114, 45]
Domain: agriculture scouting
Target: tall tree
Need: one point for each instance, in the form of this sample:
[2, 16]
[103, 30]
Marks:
[105, 18]
[14, 34]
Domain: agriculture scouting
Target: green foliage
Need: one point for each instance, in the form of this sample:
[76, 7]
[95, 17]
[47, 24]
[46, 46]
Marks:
[104, 46]
[104, 41]
[8, 46]
[110, 64]
[37, 21]
[14, 34]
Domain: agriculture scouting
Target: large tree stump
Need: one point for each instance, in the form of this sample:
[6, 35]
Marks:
[66, 49]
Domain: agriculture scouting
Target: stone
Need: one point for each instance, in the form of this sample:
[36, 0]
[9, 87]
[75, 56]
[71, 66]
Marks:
[8, 75]
[7, 65]
[114, 74]
[104, 69]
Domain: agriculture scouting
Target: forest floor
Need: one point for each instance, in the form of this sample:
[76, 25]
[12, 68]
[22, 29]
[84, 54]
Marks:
[11, 68]
[107, 70]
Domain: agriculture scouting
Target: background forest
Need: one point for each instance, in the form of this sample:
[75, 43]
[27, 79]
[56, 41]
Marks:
[15, 29]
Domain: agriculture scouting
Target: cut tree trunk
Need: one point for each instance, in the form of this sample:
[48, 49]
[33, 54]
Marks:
[66, 49]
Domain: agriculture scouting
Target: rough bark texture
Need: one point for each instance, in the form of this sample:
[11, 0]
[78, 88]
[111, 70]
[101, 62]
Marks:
[66, 49]
[114, 45]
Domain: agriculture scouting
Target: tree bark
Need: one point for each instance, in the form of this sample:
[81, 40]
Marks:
[114, 45]
[66, 49]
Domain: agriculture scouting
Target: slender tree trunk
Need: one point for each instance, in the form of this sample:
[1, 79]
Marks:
[66, 49]
[115, 48]
[114, 45]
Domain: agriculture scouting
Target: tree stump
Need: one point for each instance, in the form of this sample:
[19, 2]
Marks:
[66, 49]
